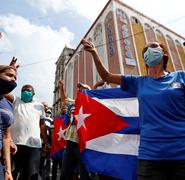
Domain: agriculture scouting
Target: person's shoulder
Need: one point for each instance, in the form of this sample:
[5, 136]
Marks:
[34, 101]
[133, 77]
[178, 72]
[4, 101]
[180, 75]
[16, 99]
[37, 104]
[181, 72]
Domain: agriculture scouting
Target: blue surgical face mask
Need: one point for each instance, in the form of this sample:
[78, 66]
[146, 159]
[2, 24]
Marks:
[153, 56]
[26, 96]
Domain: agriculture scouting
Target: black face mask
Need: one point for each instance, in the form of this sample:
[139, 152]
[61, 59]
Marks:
[6, 86]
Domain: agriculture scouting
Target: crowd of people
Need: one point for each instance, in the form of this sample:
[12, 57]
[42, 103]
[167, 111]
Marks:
[27, 125]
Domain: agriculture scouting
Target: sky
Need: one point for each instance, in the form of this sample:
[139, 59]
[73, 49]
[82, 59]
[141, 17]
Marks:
[36, 31]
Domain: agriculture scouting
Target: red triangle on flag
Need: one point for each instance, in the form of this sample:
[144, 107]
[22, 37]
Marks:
[58, 139]
[94, 119]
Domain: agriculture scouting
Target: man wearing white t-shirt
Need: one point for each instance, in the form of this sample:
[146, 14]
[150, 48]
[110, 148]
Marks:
[27, 131]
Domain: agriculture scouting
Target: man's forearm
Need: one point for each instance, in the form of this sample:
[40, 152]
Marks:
[43, 131]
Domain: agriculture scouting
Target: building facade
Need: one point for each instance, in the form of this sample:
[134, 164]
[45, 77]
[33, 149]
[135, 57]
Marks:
[59, 75]
[120, 33]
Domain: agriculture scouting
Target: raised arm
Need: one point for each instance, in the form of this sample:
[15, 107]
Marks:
[103, 72]
[12, 65]
[63, 95]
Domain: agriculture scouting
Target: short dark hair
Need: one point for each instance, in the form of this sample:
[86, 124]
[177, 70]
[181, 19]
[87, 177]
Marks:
[165, 56]
[29, 86]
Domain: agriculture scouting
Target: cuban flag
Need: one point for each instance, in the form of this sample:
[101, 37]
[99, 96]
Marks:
[108, 127]
[58, 139]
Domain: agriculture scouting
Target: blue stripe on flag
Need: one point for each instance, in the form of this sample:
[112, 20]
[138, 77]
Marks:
[134, 125]
[108, 93]
[115, 165]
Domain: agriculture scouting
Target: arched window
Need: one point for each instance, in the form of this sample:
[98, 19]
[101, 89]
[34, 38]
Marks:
[135, 20]
[177, 42]
[147, 26]
[158, 32]
[122, 15]
[97, 32]
[169, 38]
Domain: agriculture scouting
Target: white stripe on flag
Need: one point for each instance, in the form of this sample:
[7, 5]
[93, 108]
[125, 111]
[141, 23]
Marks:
[115, 144]
[127, 107]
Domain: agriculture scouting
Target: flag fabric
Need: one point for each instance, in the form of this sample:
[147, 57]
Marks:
[108, 127]
[58, 139]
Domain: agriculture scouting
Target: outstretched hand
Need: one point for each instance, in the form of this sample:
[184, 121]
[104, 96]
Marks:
[13, 63]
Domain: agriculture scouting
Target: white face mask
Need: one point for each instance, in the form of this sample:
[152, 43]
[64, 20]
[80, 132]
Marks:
[153, 56]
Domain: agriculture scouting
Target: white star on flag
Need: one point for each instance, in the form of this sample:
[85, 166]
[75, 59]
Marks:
[61, 134]
[80, 118]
